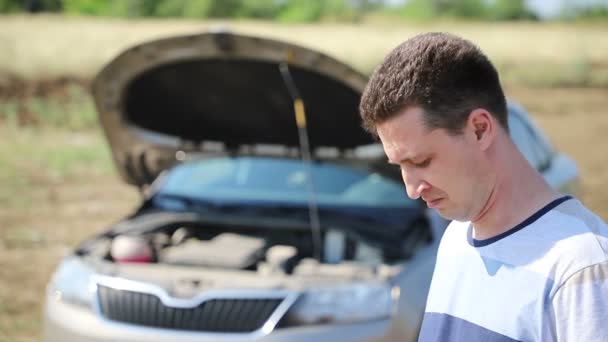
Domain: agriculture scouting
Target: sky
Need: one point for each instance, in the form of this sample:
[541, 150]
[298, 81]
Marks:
[551, 8]
[544, 8]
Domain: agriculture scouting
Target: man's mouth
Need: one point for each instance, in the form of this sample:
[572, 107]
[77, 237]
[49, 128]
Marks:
[433, 203]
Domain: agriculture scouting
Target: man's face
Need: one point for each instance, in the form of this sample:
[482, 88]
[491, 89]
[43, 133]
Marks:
[447, 171]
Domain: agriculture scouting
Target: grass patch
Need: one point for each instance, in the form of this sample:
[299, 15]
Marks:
[40, 157]
[579, 72]
[23, 238]
[70, 107]
[48, 139]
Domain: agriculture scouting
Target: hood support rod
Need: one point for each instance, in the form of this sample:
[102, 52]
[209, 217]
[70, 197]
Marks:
[300, 116]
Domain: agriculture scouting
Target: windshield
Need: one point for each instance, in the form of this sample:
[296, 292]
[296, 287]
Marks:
[248, 179]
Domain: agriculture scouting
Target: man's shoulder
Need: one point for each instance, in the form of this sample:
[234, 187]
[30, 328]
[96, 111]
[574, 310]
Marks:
[569, 224]
[576, 214]
[574, 226]
[571, 237]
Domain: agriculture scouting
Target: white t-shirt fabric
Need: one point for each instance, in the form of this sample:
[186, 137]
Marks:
[545, 279]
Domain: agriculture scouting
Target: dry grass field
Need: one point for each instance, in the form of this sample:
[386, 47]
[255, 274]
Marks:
[58, 186]
[51, 46]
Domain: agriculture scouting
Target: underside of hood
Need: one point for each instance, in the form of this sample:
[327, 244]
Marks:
[221, 94]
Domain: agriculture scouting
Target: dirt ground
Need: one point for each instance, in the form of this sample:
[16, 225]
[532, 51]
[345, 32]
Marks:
[576, 121]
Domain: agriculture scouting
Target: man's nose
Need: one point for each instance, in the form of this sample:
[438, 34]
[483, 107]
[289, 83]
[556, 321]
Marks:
[414, 185]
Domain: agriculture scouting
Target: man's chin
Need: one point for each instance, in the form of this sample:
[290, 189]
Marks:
[451, 215]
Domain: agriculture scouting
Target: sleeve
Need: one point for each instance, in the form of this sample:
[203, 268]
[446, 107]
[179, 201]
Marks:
[579, 308]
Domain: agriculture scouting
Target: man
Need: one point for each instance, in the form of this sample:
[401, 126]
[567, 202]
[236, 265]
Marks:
[520, 261]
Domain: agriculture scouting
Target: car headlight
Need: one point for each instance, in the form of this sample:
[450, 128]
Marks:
[343, 304]
[72, 283]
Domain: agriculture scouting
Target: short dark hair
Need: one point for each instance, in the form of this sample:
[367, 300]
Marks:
[446, 76]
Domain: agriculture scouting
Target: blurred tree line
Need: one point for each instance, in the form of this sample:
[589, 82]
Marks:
[285, 10]
[301, 10]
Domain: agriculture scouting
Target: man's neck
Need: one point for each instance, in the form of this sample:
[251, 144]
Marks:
[518, 193]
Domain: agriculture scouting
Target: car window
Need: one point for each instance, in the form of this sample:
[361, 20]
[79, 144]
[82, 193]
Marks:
[528, 138]
[285, 181]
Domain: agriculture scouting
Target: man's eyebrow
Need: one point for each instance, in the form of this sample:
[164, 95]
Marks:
[404, 160]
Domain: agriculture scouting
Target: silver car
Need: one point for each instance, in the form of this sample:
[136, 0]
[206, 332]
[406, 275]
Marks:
[245, 232]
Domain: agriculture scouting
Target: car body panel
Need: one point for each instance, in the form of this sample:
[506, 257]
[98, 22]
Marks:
[218, 93]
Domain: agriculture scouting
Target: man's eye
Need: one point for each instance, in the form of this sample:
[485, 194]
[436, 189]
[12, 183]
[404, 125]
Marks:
[425, 163]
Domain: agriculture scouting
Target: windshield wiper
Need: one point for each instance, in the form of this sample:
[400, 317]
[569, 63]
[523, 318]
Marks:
[173, 202]
[201, 205]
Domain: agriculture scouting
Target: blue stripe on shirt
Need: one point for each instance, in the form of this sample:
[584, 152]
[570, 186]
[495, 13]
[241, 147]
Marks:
[438, 327]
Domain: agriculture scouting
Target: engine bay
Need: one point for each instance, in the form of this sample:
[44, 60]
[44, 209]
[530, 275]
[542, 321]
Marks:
[245, 254]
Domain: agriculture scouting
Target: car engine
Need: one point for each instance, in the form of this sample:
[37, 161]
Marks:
[168, 252]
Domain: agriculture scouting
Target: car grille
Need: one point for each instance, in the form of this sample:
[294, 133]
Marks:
[219, 315]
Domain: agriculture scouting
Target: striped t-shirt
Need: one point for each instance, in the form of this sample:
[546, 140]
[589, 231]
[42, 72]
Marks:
[544, 280]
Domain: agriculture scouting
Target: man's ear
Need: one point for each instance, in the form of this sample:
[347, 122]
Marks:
[482, 126]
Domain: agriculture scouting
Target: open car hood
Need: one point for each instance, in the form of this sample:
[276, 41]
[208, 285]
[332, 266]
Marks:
[223, 94]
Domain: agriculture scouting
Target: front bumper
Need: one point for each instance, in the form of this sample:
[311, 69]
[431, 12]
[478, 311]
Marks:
[69, 323]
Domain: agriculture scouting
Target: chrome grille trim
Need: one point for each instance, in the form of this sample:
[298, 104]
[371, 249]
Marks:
[287, 298]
